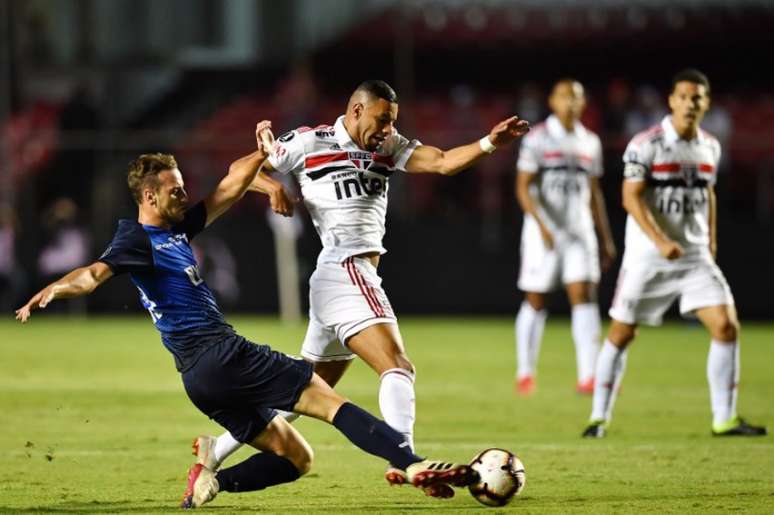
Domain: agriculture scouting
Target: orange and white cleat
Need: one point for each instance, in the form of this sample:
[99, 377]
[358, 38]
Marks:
[202, 487]
[204, 449]
[396, 477]
[525, 386]
[585, 387]
[428, 473]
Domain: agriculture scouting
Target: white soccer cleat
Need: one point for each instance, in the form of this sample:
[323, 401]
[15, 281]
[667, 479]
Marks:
[202, 487]
[204, 450]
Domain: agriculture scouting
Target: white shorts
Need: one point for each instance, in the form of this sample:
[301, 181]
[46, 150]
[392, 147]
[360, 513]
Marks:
[344, 299]
[647, 288]
[573, 259]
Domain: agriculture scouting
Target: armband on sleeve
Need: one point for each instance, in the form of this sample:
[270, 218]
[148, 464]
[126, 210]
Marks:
[635, 172]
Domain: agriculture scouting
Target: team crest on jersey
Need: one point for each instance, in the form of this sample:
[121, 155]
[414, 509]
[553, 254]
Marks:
[690, 172]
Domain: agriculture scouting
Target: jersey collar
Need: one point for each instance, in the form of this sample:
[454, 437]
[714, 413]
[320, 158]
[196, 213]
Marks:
[557, 130]
[342, 136]
[670, 134]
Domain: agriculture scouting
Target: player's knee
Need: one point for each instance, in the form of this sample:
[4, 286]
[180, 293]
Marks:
[726, 330]
[535, 301]
[621, 335]
[301, 455]
[404, 363]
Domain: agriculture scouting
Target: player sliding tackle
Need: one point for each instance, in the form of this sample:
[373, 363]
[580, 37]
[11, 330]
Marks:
[231, 380]
[343, 170]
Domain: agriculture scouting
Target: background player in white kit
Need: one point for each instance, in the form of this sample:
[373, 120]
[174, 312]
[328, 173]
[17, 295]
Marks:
[343, 172]
[557, 186]
[669, 193]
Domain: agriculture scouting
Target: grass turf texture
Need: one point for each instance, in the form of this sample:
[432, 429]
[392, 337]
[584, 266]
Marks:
[94, 419]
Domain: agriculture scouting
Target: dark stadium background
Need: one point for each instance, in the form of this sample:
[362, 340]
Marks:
[86, 85]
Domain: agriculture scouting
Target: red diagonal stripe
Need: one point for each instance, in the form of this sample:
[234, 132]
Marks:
[356, 281]
[549, 155]
[318, 160]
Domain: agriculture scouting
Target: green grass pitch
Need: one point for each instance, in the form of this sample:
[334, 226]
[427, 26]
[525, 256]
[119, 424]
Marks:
[93, 418]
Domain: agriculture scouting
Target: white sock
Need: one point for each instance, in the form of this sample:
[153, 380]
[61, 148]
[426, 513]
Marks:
[586, 329]
[723, 377]
[225, 447]
[611, 364]
[529, 335]
[397, 402]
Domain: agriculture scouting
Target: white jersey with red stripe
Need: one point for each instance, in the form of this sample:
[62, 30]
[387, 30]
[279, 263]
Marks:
[564, 162]
[677, 173]
[344, 186]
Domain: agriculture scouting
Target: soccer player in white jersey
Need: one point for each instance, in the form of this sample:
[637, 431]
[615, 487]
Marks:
[343, 170]
[669, 194]
[557, 186]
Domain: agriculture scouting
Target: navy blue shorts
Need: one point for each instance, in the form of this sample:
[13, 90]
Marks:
[238, 384]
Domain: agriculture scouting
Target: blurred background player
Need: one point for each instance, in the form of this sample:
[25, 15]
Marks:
[669, 194]
[557, 187]
[343, 170]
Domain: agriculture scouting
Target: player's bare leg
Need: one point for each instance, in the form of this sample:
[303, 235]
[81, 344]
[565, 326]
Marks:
[723, 371]
[530, 323]
[285, 457]
[586, 331]
[611, 364]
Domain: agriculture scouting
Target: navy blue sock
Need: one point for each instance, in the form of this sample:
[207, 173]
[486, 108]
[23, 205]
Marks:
[374, 436]
[256, 473]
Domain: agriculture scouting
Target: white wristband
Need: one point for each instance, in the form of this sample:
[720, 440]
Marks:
[486, 145]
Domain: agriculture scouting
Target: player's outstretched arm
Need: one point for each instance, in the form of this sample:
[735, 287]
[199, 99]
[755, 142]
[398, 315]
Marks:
[241, 174]
[602, 223]
[428, 159]
[80, 281]
[635, 205]
[280, 201]
[528, 204]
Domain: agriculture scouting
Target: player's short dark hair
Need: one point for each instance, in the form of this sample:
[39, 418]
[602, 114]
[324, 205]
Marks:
[144, 172]
[379, 89]
[691, 75]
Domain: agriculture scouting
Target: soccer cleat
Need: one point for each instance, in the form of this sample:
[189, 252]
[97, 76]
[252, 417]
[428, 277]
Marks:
[425, 474]
[204, 450]
[737, 426]
[595, 430]
[396, 476]
[202, 487]
[585, 387]
[525, 386]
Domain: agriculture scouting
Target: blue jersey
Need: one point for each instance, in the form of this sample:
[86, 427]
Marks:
[163, 268]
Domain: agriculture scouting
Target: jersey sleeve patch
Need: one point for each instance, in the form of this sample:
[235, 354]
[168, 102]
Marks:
[529, 156]
[194, 222]
[130, 250]
[288, 152]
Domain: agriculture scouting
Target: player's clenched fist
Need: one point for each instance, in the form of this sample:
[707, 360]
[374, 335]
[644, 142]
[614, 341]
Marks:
[670, 249]
[508, 130]
[264, 136]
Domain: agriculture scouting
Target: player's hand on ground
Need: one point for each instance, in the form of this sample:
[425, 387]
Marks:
[39, 301]
[609, 253]
[264, 137]
[670, 249]
[548, 237]
[508, 130]
[281, 202]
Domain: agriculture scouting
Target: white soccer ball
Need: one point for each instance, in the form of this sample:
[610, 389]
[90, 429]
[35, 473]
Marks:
[501, 477]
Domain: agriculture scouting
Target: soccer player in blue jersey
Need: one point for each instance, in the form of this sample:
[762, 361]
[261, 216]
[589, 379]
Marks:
[231, 380]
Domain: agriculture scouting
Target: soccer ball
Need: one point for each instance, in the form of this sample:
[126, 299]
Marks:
[501, 476]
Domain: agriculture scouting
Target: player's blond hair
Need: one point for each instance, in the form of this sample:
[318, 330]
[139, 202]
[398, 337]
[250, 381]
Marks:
[144, 171]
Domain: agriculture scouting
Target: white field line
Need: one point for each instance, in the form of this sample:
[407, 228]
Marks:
[64, 452]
